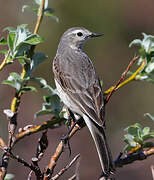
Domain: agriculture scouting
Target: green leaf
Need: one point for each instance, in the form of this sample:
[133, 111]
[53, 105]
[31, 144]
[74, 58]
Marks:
[38, 2]
[10, 29]
[145, 131]
[129, 139]
[10, 40]
[25, 7]
[37, 59]
[149, 115]
[148, 136]
[51, 104]
[43, 84]
[34, 40]
[22, 61]
[21, 40]
[14, 76]
[150, 67]
[3, 41]
[28, 88]
[134, 129]
[135, 42]
[49, 10]
[14, 84]
[29, 7]
[14, 80]
[42, 112]
[52, 16]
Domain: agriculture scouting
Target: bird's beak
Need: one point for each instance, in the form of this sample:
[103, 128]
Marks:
[95, 35]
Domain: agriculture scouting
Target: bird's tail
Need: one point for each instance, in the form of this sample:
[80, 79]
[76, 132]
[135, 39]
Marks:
[102, 147]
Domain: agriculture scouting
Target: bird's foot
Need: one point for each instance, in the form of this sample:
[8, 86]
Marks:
[65, 141]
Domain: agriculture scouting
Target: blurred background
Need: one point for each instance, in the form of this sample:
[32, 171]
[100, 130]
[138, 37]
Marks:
[121, 22]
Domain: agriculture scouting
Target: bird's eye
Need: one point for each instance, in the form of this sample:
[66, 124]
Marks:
[79, 34]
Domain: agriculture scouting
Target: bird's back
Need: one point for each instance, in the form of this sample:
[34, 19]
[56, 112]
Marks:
[76, 74]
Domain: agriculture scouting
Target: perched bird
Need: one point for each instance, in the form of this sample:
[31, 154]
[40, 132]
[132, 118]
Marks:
[79, 88]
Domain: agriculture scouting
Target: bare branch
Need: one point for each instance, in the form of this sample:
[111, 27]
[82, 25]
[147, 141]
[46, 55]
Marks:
[62, 171]
[130, 158]
[73, 177]
[37, 128]
[42, 145]
[49, 170]
[115, 87]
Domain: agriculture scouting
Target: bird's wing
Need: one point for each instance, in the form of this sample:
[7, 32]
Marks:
[79, 81]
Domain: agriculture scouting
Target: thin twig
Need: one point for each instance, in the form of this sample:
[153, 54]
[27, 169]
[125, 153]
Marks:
[37, 128]
[2, 144]
[62, 171]
[3, 64]
[50, 168]
[121, 78]
[73, 177]
[40, 16]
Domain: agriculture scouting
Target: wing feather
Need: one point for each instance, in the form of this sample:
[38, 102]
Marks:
[80, 82]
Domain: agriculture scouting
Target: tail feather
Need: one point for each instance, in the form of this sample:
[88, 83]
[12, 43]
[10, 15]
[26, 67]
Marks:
[102, 147]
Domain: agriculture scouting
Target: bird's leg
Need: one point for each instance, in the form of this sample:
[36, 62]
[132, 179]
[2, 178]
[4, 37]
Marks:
[72, 122]
[71, 117]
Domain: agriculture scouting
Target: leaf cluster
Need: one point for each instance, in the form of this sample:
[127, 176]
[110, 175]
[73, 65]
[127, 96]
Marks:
[48, 12]
[138, 137]
[146, 51]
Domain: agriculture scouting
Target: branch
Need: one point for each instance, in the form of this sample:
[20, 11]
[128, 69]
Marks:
[27, 131]
[50, 168]
[130, 158]
[3, 64]
[119, 84]
[16, 100]
[62, 171]
[40, 16]
[73, 177]
[2, 144]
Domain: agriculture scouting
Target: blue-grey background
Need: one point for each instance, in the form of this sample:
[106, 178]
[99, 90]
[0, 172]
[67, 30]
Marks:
[121, 22]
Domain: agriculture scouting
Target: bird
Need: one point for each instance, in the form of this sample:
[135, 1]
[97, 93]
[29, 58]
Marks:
[79, 88]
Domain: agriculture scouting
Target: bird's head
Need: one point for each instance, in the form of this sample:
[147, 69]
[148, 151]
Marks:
[77, 36]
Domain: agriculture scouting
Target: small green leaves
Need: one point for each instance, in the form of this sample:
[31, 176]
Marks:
[146, 51]
[36, 60]
[43, 84]
[147, 44]
[48, 12]
[14, 80]
[51, 105]
[17, 82]
[29, 7]
[3, 41]
[28, 88]
[136, 135]
[149, 115]
[20, 41]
